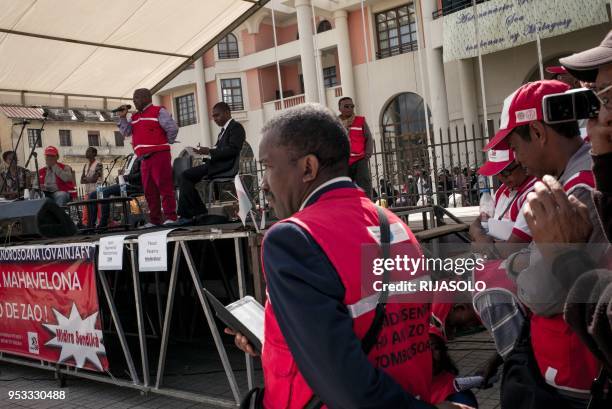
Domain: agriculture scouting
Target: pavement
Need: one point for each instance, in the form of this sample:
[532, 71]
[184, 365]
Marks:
[203, 373]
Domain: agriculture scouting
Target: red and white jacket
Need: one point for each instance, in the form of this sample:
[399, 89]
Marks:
[357, 139]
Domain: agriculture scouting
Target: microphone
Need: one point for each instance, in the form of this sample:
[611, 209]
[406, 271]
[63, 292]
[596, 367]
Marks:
[121, 108]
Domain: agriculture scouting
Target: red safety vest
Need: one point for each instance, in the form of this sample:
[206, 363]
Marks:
[147, 135]
[403, 350]
[61, 185]
[564, 361]
[357, 139]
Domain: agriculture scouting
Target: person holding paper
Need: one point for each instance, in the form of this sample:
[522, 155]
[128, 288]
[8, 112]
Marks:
[508, 224]
[222, 157]
[316, 315]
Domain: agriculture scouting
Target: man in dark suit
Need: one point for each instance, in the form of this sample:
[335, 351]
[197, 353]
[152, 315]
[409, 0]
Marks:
[222, 157]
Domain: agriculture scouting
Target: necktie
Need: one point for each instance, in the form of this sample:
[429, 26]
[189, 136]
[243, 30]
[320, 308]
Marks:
[220, 134]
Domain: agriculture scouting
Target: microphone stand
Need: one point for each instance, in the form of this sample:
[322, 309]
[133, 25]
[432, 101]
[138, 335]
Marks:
[33, 151]
[110, 170]
[14, 159]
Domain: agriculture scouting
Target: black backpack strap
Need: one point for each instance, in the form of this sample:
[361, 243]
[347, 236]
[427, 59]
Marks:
[370, 338]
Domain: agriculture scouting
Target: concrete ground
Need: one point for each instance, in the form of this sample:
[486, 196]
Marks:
[205, 374]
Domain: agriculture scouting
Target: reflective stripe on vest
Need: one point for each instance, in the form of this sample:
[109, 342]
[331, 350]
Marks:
[357, 139]
[368, 304]
[147, 134]
[403, 351]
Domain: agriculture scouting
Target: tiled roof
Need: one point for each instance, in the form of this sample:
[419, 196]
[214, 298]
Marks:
[20, 112]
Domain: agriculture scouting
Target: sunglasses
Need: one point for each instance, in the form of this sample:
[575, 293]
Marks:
[604, 100]
[508, 171]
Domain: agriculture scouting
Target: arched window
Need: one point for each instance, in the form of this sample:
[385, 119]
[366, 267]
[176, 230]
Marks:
[404, 135]
[228, 47]
[324, 25]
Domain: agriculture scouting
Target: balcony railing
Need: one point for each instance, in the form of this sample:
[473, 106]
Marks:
[451, 7]
[290, 102]
[396, 50]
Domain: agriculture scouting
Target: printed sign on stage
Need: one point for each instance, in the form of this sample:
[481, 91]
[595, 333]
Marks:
[49, 305]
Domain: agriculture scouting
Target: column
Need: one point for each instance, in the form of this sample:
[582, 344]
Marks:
[202, 103]
[344, 54]
[468, 93]
[309, 70]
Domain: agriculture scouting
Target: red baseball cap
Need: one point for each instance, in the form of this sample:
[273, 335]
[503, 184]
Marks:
[497, 160]
[556, 69]
[524, 106]
[51, 151]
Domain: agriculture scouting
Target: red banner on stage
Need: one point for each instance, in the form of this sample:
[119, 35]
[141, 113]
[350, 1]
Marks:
[49, 305]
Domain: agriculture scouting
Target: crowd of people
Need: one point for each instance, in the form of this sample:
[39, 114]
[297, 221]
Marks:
[548, 303]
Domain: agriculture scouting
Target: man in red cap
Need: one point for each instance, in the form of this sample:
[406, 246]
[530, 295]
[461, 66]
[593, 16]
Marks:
[559, 73]
[509, 199]
[557, 150]
[56, 179]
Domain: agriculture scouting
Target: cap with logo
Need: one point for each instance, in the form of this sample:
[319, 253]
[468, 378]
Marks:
[51, 151]
[497, 160]
[585, 65]
[524, 106]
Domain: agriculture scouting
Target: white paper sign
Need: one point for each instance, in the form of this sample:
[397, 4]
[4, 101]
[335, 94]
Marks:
[110, 254]
[152, 251]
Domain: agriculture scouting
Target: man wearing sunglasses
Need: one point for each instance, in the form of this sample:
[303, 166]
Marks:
[362, 144]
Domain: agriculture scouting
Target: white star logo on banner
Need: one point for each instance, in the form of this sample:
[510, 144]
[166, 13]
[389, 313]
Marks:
[78, 338]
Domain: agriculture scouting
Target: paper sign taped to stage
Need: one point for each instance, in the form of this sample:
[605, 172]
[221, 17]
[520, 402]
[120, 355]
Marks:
[49, 305]
[110, 254]
[153, 251]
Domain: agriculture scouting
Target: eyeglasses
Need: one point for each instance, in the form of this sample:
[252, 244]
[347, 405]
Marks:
[604, 99]
[348, 106]
[508, 171]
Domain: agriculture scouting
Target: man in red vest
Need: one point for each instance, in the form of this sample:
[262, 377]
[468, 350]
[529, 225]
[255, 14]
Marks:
[565, 363]
[317, 311]
[153, 130]
[361, 143]
[56, 179]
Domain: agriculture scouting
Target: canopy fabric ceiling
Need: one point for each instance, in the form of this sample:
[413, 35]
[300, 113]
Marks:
[108, 48]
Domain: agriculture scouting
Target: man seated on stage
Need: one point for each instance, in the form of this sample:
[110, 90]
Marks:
[222, 157]
[56, 179]
[153, 130]
[133, 184]
[13, 178]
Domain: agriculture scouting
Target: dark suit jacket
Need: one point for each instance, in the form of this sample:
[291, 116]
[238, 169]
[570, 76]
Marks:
[227, 149]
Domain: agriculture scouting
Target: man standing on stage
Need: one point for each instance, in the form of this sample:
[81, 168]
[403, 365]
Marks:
[153, 130]
[362, 144]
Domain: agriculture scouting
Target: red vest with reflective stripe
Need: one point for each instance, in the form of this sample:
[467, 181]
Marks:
[343, 222]
[357, 139]
[147, 135]
[565, 362]
[61, 185]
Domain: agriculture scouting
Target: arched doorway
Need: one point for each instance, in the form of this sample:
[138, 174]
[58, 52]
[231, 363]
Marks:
[404, 136]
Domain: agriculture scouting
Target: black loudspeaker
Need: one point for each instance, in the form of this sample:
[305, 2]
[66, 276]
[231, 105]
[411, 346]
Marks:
[26, 219]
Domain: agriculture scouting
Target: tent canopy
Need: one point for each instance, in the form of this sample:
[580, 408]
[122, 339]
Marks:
[108, 48]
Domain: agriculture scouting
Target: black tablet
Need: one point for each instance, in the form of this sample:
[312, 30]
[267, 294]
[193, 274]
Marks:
[245, 316]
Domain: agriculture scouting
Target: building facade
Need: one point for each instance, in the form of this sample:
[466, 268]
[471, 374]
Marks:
[388, 55]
